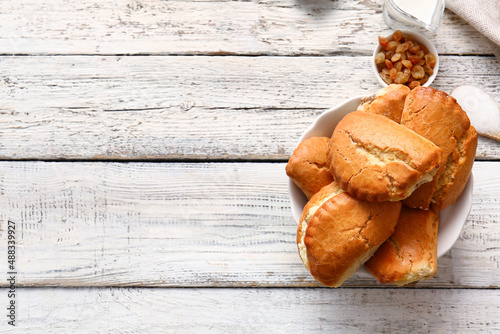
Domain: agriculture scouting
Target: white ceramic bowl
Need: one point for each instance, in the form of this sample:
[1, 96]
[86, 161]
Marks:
[422, 40]
[452, 219]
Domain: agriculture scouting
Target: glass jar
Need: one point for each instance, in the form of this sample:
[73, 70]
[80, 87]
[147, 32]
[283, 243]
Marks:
[400, 14]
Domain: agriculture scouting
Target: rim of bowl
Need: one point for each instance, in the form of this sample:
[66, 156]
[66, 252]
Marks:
[421, 39]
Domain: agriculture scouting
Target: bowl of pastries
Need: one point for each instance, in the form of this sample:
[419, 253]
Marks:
[383, 183]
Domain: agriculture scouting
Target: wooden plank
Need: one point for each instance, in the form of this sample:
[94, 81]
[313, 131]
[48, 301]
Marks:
[198, 224]
[210, 27]
[188, 107]
[255, 311]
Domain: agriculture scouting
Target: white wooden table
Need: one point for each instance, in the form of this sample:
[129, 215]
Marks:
[143, 145]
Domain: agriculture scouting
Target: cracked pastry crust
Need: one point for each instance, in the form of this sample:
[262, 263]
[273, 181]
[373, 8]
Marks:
[376, 159]
[438, 117]
[308, 165]
[337, 233]
[388, 102]
[452, 182]
[410, 254]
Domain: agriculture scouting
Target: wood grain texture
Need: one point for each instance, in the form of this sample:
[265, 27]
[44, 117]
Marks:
[210, 27]
[249, 108]
[192, 225]
[178, 80]
[131, 311]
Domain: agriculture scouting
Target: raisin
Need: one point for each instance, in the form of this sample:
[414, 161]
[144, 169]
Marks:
[392, 73]
[414, 84]
[383, 41]
[388, 64]
[396, 57]
[430, 60]
[407, 63]
[402, 47]
[380, 58]
[392, 46]
[400, 78]
[424, 79]
[415, 48]
[417, 72]
[398, 65]
[397, 35]
[428, 70]
[413, 59]
[386, 78]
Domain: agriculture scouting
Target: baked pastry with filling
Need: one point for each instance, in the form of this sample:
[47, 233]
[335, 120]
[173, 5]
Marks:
[388, 102]
[308, 165]
[410, 254]
[337, 233]
[438, 117]
[376, 159]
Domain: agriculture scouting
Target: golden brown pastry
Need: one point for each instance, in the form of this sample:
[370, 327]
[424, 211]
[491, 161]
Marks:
[452, 182]
[438, 117]
[308, 165]
[410, 254]
[388, 102]
[377, 159]
[337, 233]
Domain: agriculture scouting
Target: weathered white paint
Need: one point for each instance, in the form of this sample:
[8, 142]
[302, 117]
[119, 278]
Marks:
[187, 107]
[191, 224]
[137, 310]
[205, 224]
[210, 27]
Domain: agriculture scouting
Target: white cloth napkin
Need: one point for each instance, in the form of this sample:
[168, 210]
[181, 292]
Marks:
[484, 15]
